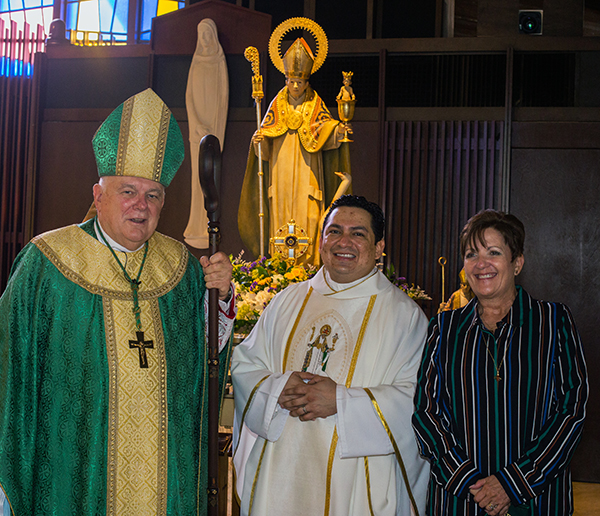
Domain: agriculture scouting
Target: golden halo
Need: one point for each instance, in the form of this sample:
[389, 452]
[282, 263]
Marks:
[298, 23]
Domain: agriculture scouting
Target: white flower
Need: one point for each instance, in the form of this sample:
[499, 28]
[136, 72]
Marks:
[262, 298]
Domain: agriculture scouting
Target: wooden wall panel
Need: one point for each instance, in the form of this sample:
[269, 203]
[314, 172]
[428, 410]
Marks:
[563, 17]
[554, 191]
[497, 17]
[67, 172]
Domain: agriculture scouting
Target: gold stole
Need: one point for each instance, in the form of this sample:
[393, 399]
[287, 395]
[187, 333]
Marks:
[348, 383]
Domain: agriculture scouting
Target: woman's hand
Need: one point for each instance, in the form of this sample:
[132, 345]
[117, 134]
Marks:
[490, 495]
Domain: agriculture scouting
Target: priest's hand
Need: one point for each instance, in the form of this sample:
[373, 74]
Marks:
[308, 401]
[217, 273]
[490, 495]
[287, 400]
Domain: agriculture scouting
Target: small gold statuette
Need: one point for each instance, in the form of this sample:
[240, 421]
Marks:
[346, 101]
[291, 240]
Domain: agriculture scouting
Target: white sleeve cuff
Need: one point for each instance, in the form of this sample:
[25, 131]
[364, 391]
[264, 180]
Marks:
[360, 430]
[265, 416]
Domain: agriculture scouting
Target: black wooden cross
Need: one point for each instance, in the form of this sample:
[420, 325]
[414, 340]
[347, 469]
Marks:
[141, 344]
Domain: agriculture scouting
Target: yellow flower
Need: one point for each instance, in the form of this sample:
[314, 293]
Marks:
[244, 310]
[299, 273]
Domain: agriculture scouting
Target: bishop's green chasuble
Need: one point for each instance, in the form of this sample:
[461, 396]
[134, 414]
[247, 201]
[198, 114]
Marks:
[84, 430]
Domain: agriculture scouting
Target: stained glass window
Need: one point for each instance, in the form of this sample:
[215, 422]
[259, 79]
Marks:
[101, 20]
[34, 12]
[152, 8]
[90, 21]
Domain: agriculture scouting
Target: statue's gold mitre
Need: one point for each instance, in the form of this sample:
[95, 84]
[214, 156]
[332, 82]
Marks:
[299, 61]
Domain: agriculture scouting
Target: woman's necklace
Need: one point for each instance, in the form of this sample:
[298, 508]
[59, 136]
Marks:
[347, 288]
[497, 367]
[140, 343]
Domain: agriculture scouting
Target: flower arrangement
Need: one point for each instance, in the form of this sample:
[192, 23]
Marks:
[257, 282]
[412, 291]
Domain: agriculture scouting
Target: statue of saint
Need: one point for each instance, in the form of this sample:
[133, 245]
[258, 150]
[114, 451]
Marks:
[206, 102]
[305, 165]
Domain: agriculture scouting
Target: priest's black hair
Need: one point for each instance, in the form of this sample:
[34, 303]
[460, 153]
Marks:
[358, 201]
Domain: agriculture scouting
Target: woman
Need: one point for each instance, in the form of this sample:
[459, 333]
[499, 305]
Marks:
[501, 393]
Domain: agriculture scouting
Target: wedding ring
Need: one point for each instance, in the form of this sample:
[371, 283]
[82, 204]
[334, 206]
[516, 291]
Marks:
[304, 408]
[492, 506]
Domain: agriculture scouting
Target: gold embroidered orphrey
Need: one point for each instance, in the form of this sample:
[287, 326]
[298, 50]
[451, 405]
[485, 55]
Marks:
[298, 23]
[140, 343]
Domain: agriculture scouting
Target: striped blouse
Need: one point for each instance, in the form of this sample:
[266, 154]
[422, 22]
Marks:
[509, 403]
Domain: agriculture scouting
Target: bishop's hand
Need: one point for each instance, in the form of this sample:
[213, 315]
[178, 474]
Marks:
[217, 273]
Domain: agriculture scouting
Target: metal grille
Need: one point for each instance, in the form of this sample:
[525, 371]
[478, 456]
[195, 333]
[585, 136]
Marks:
[436, 175]
[16, 170]
[544, 79]
[328, 80]
[451, 80]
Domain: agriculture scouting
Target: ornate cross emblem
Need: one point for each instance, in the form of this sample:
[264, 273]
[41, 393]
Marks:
[142, 345]
[291, 240]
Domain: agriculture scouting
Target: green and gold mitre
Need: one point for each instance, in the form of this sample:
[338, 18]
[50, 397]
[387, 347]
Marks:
[140, 138]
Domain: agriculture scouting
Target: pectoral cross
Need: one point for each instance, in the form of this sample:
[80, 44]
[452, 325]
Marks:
[141, 344]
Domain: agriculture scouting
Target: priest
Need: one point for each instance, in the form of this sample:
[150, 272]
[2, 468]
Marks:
[103, 384]
[324, 386]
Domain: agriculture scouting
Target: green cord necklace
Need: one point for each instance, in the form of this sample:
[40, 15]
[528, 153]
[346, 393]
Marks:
[140, 343]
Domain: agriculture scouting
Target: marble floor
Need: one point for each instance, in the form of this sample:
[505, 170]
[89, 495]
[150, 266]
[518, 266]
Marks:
[587, 499]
